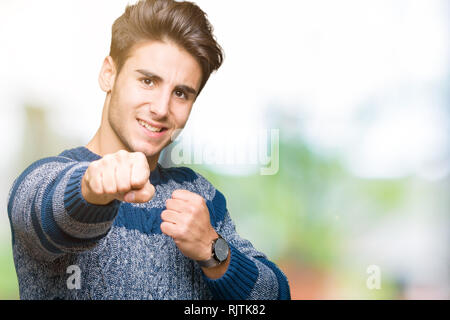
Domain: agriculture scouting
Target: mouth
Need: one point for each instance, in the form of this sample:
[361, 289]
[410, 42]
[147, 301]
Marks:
[152, 130]
[150, 127]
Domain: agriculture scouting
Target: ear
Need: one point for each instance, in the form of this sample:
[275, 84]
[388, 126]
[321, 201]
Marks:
[107, 75]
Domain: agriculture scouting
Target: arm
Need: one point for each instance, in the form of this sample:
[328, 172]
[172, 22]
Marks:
[250, 275]
[247, 273]
[48, 213]
[59, 206]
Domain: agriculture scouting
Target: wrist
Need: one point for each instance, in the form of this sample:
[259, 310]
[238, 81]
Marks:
[218, 271]
[208, 248]
[217, 254]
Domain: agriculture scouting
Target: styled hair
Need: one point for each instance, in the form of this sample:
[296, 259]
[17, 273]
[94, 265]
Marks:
[184, 23]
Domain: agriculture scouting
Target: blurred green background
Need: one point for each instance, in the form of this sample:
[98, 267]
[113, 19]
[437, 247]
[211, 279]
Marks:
[358, 91]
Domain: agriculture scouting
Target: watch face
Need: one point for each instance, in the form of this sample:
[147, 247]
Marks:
[221, 249]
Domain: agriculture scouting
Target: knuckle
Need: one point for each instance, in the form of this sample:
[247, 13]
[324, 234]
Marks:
[105, 162]
[108, 158]
[121, 156]
[192, 209]
[123, 184]
[94, 165]
[122, 188]
[122, 153]
[141, 159]
[139, 155]
[141, 176]
[184, 230]
[95, 188]
[137, 181]
[109, 190]
[164, 227]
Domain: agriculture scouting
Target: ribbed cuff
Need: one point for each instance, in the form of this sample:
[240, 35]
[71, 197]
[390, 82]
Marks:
[239, 279]
[82, 211]
[284, 292]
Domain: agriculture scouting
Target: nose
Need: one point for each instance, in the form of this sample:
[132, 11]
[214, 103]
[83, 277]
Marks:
[159, 107]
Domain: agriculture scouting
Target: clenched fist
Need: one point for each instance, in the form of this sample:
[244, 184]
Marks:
[186, 219]
[122, 175]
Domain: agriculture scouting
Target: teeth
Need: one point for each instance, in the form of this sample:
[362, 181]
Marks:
[146, 125]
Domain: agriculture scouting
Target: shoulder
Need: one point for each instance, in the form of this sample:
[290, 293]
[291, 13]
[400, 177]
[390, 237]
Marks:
[49, 165]
[64, 158]
[38, 171]
[45, 164]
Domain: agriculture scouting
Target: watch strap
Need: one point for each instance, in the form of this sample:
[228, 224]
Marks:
[211, 262]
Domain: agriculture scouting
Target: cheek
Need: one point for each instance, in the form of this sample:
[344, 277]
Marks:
[126, 101]
[181, 115]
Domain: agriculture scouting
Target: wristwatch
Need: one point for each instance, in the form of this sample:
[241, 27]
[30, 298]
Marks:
[219, 253]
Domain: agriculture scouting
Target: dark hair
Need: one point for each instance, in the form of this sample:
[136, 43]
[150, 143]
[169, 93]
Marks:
[181, 22]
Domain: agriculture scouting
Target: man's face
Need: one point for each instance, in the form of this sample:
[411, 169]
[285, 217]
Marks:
[157, 86]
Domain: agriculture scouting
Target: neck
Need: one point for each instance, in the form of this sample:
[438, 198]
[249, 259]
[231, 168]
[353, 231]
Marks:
[101, 145]
[105, 141]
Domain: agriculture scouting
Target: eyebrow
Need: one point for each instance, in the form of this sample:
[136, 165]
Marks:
[158, 78]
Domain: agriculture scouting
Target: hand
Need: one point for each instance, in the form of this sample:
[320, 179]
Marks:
[186, 220]
[122, 175]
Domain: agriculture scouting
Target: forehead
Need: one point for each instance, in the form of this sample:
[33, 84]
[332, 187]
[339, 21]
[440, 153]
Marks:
[166, 59]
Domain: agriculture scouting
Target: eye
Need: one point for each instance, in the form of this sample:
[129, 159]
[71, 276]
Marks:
[180, 94]
[147, 81]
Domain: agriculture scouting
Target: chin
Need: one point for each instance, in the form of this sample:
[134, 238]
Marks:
[148, 150]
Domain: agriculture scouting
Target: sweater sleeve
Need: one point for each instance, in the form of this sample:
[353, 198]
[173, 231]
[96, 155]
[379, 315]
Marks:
[250, 274]
[48, 214]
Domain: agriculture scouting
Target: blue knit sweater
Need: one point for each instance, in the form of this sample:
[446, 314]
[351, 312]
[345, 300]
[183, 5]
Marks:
[118, 249]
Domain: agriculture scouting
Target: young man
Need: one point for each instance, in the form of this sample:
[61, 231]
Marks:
[106, 221]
